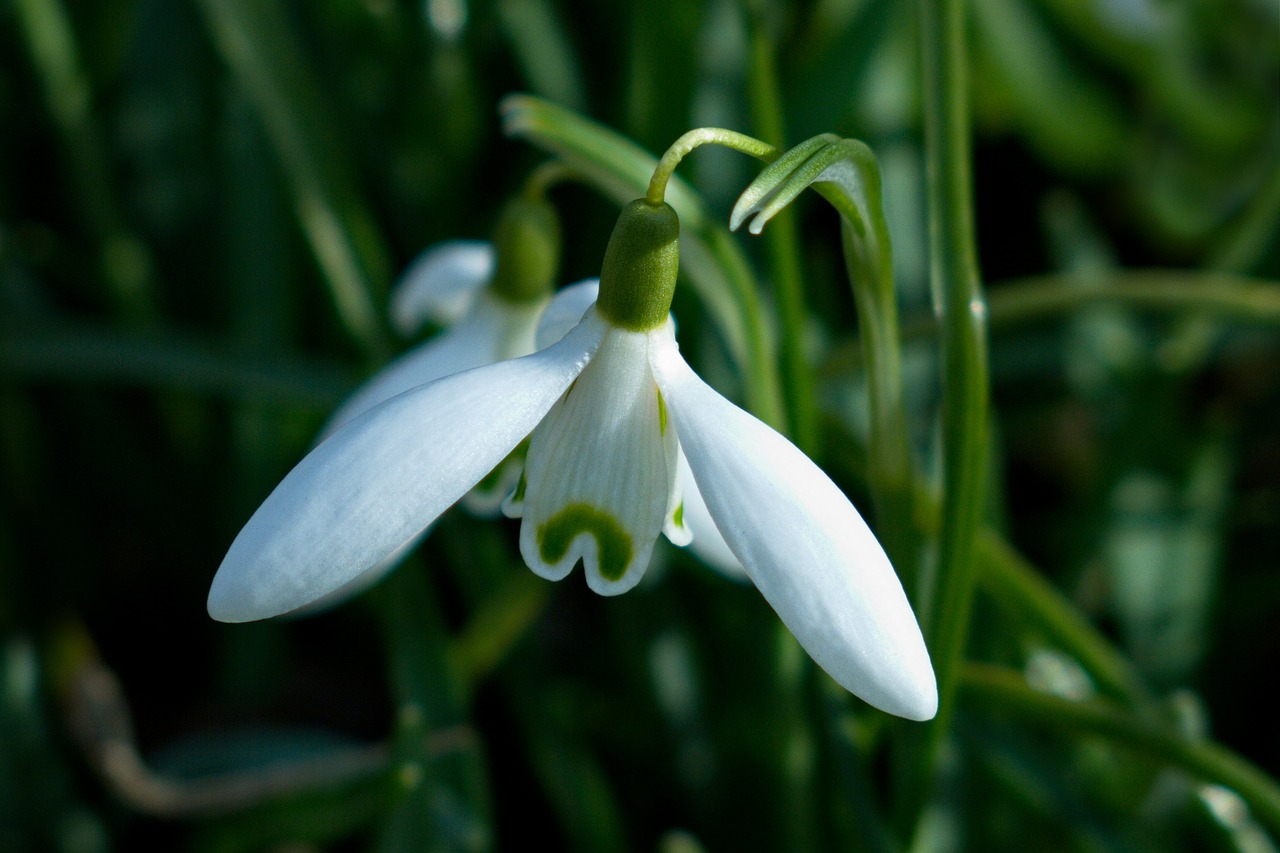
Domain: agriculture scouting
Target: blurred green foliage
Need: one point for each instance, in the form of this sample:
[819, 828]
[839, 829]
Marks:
[202, 207]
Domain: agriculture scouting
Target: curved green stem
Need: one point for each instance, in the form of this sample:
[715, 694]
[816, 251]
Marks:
[715, 264]
[262, 53]
[1020, 590]
[695, 139]
[545, 176]
[1005, 691]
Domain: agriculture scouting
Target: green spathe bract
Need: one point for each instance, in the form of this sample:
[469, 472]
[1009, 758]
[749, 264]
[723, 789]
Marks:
[527, 242]
[613, 543]
[638, 278]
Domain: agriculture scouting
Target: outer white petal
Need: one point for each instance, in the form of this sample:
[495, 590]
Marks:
[361, 582]
[440, 283]
[804, 545]
[565, 310]
[377, 483]
[596, 480]
[707, 545]
[487, 498]
[492, 331]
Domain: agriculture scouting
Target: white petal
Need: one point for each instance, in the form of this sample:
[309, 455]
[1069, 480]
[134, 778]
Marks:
[804, 545]
[359, 583]
[565, 310]
[440, 283]
[487, 498]
[707, 544]
[596, 481]
[378, 482]
[492, 331]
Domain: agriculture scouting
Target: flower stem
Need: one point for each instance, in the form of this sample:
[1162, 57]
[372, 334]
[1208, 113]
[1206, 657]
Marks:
[1005, 691]
[696, 139]
[713, 261]
[1210, 294]
[783, 248]
[545, 176]
[965, 393]
[1021, 591]
[442, 795]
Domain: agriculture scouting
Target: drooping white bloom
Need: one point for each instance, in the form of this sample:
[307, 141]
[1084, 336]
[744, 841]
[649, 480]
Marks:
[608, 409]
[448, 285]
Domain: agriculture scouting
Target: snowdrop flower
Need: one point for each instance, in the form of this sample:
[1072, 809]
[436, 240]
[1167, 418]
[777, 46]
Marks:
[608, 408]
[489, 297]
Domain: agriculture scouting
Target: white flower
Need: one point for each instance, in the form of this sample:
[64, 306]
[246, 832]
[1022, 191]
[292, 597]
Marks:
[611, 406]
[448, 285]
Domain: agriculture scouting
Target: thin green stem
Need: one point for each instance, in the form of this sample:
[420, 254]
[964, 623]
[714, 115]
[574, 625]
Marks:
[545, 176]
[782, 244]
[712, 259]
[124, 259]
[441, 797]
[1005, 691]
[500, 621]
[965, 393]
[263, 54]
[695, 139]
[1018, 588]
[1254, 230]
[1217, 294]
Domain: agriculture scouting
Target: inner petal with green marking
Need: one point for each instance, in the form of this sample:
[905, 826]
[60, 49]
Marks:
[613, 543]
[599, 484]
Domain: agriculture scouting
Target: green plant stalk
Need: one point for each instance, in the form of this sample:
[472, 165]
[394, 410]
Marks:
[1005, 691]
[264, 56]
[1017, 587]
[715, 264]
[439, 794]
[782, 244]
[694, 139]
[965, 393]
[1251, 233]
[500, 621]
[125, 261]
[1017, 302]
[1215, 294]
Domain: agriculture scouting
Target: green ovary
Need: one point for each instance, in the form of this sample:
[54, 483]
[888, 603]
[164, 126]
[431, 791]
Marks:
[613, 543]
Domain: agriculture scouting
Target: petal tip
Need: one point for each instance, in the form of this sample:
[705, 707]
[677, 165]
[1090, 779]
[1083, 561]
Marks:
[224, 605]
[921, 704]
[911, 693]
